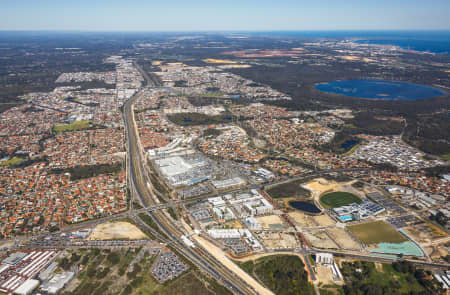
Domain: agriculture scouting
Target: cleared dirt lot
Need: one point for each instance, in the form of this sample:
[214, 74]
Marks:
[344, 239]
[305, 221]
[271, 221]
[119, 230]
[302, 219]
[320, 185]
[320, 239]
[324, 275]
[425, 233]
[324, 220]
[278, 240]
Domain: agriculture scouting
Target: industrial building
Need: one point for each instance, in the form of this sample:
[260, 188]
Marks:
[228, 183]
[251, 204]
[243, 234]
[57, 282]
[18, 270]
[186, 170]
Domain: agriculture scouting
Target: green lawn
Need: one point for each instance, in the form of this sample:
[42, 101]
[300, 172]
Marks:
[74, 126]
[11, 161]
[376, 232]
[338, 199]
[212, 95]
[446, 157]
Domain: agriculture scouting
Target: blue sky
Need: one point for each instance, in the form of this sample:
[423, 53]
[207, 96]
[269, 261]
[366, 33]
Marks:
[210, 15]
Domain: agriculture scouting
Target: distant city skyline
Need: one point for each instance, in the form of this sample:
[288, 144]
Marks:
[232, 15]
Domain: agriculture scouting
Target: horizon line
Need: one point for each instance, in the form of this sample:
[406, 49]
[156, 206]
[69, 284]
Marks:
[225, 31]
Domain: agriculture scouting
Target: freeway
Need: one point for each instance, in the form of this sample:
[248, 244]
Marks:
[140, 187]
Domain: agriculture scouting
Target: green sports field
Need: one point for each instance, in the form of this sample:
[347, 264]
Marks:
[338, 199]
[74, 126]
[376, 232]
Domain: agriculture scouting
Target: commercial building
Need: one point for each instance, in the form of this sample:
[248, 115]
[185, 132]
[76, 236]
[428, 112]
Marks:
[57, 282]
[357, 211]
[27, 287]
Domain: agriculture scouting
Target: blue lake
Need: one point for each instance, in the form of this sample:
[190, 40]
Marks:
[379, 89]
[304, 206]
[348, 144]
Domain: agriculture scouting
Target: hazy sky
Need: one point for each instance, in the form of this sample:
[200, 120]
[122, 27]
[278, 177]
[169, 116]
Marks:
[211, 15]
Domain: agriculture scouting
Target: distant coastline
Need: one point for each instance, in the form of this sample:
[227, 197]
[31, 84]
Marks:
[423, 41]
[432, 46]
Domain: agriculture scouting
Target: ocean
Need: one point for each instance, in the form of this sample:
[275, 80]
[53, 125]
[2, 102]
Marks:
[428, 41]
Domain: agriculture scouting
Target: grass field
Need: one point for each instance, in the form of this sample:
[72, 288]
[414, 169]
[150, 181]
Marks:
[11, 161]
[446, 157]
[74, 126]
[376, 232]
[338, 199]
[212, 95]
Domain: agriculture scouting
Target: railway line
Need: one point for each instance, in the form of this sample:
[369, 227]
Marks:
[140, 188]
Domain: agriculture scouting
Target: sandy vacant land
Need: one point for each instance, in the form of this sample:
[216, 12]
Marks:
[376, 232]
[425, 233]
[320, 239]
[220, 255]
[324, 275]
[278, 240]
[436, 252]
[119, 230]
[266, 221]
[305, 221]
[324, 220]
[344, 239]
[302, 219]
[320, 185]
[218, 61]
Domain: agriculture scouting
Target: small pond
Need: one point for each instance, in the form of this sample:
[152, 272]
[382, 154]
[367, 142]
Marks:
[305, 206]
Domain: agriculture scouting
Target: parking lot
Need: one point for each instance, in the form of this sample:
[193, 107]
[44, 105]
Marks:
[386, 203]
[402, 221]
[168, 266]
